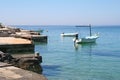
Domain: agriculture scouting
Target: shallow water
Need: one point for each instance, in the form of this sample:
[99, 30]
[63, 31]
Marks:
[62, 60]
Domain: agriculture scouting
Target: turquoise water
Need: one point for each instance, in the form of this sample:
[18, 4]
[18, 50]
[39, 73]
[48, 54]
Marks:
[62, 60]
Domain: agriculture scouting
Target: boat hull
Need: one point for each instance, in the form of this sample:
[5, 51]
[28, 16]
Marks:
[91, 39]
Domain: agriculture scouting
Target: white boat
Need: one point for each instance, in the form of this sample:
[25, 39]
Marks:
[69, 34]
[88, 39]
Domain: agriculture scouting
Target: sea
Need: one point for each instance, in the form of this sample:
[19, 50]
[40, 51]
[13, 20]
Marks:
[64, 60]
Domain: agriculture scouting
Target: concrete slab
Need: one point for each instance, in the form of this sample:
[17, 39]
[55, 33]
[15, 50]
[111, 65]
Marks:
[4, 64]
[14, 73]
[12, 40]
[15, 45]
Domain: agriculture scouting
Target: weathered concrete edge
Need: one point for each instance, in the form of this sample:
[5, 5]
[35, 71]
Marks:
[5, 73]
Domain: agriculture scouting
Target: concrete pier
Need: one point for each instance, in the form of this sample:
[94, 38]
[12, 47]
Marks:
[15, 40]
[15, 45]
[8, 31]
[34, 38]
[9, 72]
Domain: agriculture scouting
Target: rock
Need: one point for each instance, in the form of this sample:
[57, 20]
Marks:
[31, 64]
[5, 57]
[27, 63]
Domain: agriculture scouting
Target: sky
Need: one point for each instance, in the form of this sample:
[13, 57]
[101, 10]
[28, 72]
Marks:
[60, 12]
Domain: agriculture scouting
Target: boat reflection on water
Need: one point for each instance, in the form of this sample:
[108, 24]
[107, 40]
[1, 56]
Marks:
[84, 47]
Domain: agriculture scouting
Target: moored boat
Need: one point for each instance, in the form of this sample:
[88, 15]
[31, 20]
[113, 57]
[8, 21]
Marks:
[88, 39]
[69, 34]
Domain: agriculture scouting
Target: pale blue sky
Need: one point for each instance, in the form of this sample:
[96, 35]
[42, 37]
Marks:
[60, 12]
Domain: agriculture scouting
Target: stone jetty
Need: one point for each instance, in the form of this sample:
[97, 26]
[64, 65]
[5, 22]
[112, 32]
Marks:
[31, 35]
[8, 31]
[16, 40]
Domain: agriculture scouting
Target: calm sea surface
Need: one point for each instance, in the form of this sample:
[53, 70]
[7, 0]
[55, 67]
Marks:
[62, 60]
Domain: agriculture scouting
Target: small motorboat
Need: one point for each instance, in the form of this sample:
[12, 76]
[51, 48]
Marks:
[69, 34]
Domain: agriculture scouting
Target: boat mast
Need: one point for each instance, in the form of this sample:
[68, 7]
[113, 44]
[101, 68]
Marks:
[90, 29]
